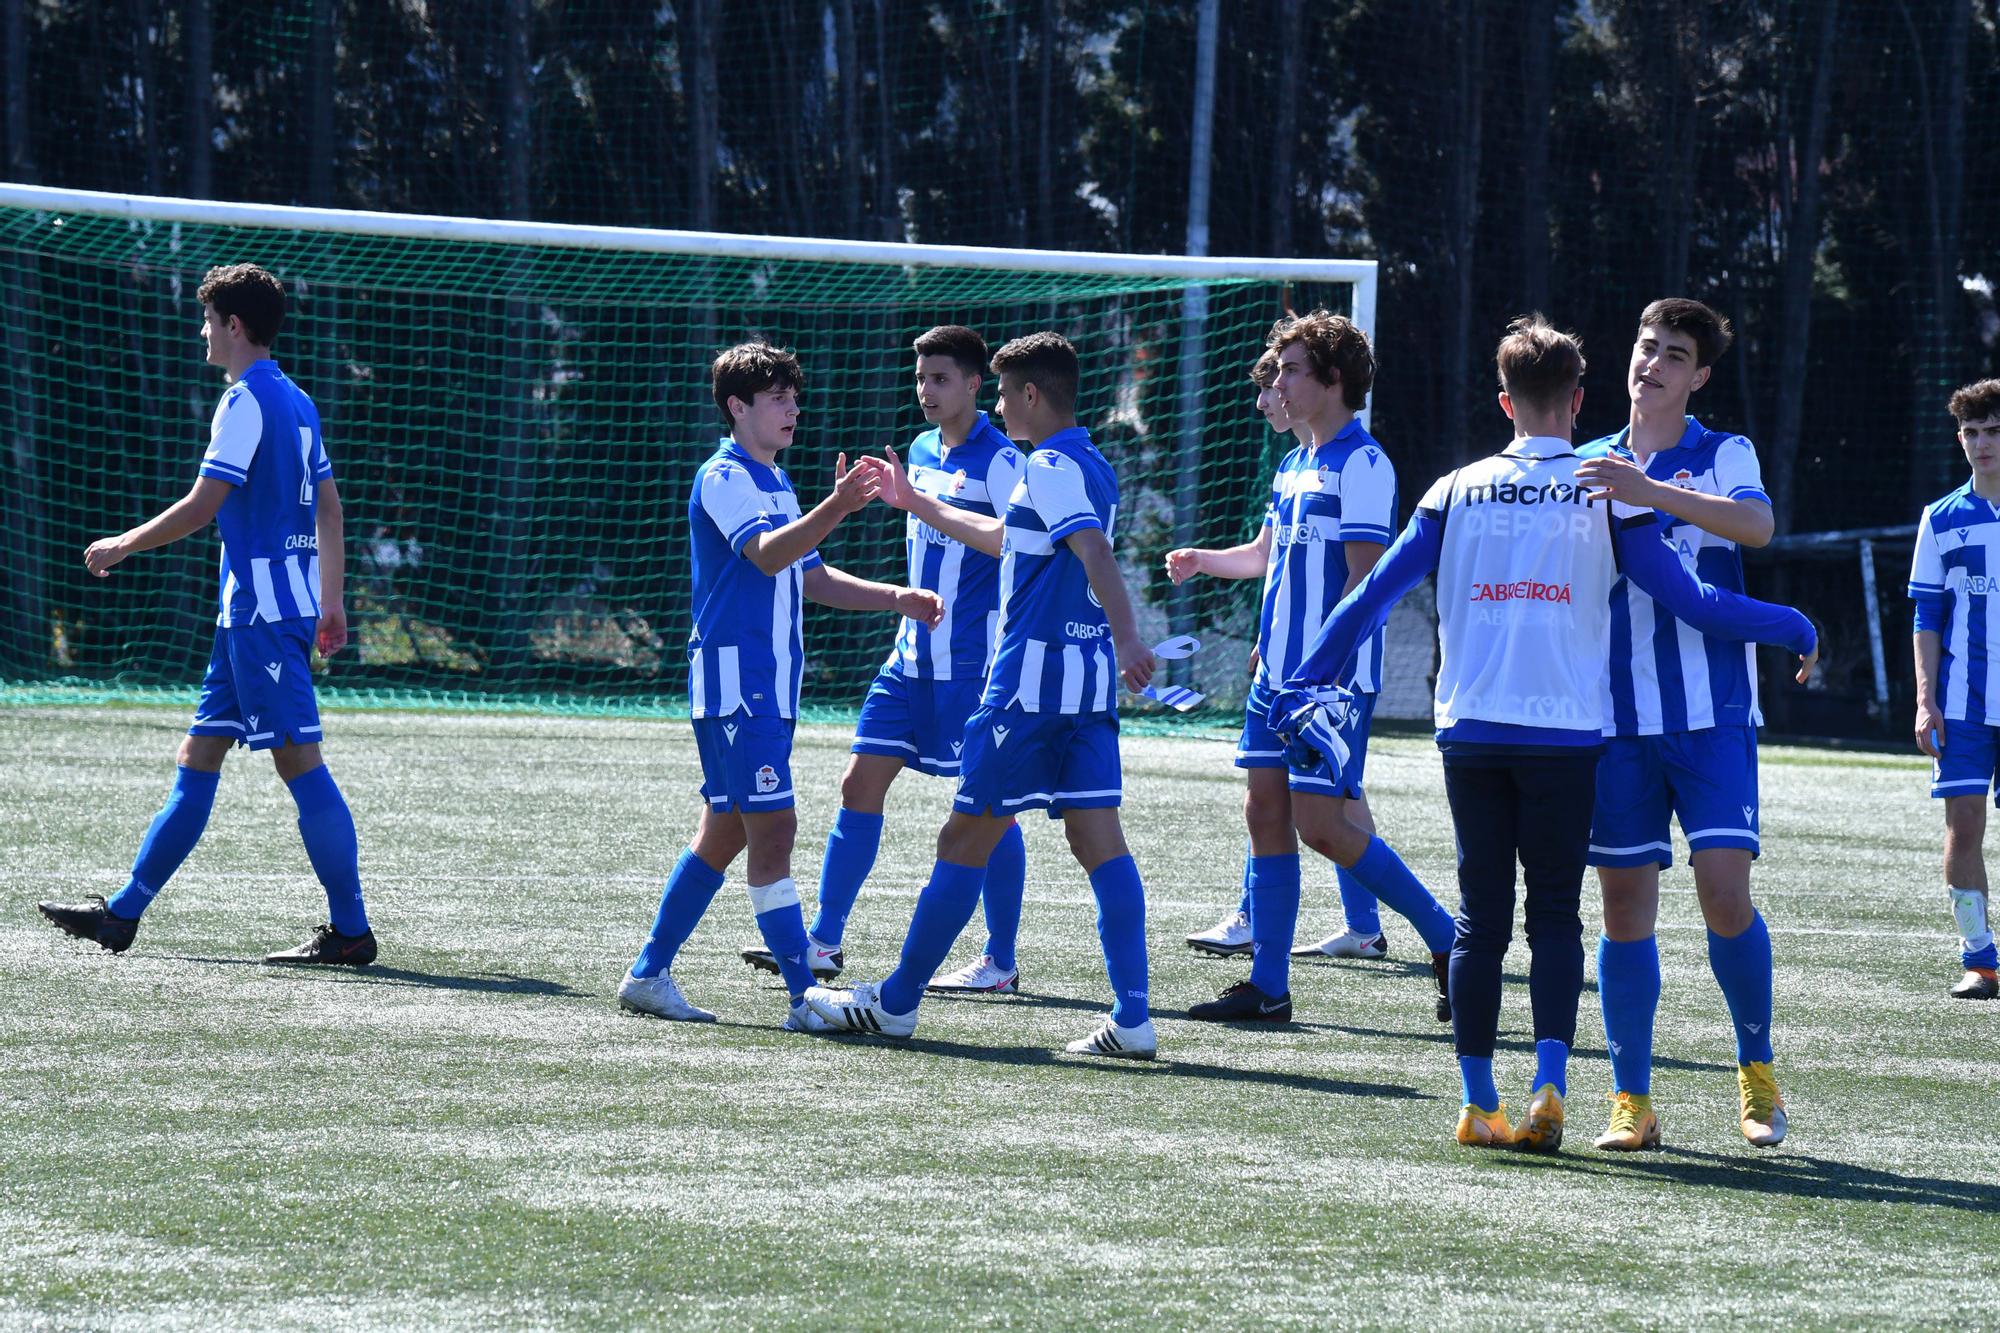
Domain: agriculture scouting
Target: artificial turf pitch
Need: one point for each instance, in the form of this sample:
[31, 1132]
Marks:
[471, 1134]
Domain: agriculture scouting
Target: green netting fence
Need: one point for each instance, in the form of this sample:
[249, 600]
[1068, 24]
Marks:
[515, 415]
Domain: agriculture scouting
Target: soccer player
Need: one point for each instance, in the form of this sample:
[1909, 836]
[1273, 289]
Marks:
[1680, 725]
[1526, 563]
[266, 483]
[754, 557]
[1361, 936]
[1957, 639]
[1046, 733]
[1332, 510]
[914, 714]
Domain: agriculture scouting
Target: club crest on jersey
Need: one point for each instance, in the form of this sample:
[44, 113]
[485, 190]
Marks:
[767, 780]
[957, 481]
[1683, 479]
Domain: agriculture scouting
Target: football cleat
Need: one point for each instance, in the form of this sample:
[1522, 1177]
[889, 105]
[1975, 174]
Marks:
[1542, 1128]
[327, 947]
[803, 1019]
[1347, 944]
[661, 998]
[824, 962]
[1633, 1125]
[1763, 1118]
[984, 977]
[1227, 938]
[1136, 1043]
[92, 921]
[1479, 1128]
[1244, 1003]
[1978, 983]
[859, 1010]
[1441, 974]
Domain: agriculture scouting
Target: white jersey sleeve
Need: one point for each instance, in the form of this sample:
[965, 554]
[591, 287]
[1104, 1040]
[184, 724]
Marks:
[1003, 475]
[233, 436]
[737, 506]
[1367, 497]
[1056, 492]
[1737, 476]
[1927, 561]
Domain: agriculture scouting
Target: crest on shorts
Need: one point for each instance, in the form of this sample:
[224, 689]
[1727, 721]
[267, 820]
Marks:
[767, 780]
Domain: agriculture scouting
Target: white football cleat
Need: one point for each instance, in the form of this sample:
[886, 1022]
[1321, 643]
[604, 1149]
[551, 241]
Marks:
[803, 1019]
[984, 977]
[859, 1010]
[1137, 1043]
[661, 998]
[1349, 943]
[1227, 938]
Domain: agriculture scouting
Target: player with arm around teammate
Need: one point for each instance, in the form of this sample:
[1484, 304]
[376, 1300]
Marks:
[268, 486]
[1957, 638]
[1525, 565]
[755, 559]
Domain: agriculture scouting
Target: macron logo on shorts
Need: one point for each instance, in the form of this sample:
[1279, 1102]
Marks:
[274, 669]
[999, 735]
[729, 732]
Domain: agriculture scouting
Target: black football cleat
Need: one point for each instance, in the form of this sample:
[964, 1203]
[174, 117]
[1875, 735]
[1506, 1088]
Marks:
[1244, 1003]
[92, 921]
[1441, 973]
[824, 963]
[327, 947]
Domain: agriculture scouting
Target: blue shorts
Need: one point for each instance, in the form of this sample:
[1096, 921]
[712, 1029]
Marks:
[1017, 761]
[1707, 779]
[746, 762]
[921, 722]
[1970, 756]
[1260, 747]
[259, 686]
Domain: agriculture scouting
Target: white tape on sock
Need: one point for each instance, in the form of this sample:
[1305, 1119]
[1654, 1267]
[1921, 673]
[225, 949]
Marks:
[1968, 908]
[770, 897]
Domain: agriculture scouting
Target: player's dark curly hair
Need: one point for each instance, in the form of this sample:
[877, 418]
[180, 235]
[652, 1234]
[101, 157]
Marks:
[251, 294]
[1336, 349]
[1977, 402]
[1045, 360]
[747, 369]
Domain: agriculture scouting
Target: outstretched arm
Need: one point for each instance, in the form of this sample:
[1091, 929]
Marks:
[1645, 560]
[189, 514]
[843, 591]
[783, 547]
[979, 531]
[1247, 561]
[1361, 612]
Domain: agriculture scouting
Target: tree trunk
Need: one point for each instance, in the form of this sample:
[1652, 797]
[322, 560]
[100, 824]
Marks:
[1045, 198]
[701, 90]
[145, 97]
[1462, 216]
[848, 87]
[1538, 50]
[200, 176]
[1007, 140]
[1794, 327]
[888, 211]
[516, 110]
[1285, 134]
[1687, 36]
[25, 633]
[1938, 302]
[20, 139]
[319, 106]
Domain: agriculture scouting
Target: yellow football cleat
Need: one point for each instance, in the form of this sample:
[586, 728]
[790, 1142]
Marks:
[1542, 1128]
[1763, 1121]
[1478, 1128]
[1633, 1124]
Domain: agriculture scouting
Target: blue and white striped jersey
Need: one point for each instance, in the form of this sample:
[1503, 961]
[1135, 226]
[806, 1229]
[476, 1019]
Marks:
[265, 442]
[1055, 653]
[1342, 491]
[1954, 574]
[1665, 675]
[745, 653]
[978, 475]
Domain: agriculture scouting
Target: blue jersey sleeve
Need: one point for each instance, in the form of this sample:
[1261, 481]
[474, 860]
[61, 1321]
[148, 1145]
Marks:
[1406, 563]
[1647, 561]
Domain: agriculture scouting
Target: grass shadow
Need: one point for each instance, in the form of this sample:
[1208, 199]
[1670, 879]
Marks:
[491, 983]
[1797, 1175]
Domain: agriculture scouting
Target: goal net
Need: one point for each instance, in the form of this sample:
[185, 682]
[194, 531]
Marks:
[515, 412]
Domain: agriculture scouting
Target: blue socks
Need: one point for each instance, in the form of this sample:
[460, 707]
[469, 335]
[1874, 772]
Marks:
[1476, 1072]
[174, 832]
[690, 888]
[1006, 884]
[1383, 874]
[328, 831]
[1551, 1066]
[1628, 990]
[1358, 906]
[943, 908]
[1121, 927]
[1742, 967]
[850, 855]
[783, 927]
[1243, 903]
[1274, 915]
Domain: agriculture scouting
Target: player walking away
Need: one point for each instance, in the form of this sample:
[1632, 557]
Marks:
[1680, 726]
[914, 714]
[1526, 565]
[754, 557]
[1332, 510]
[1045, 736]
[268, 486]
[1361, 936]
[1957, 640]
